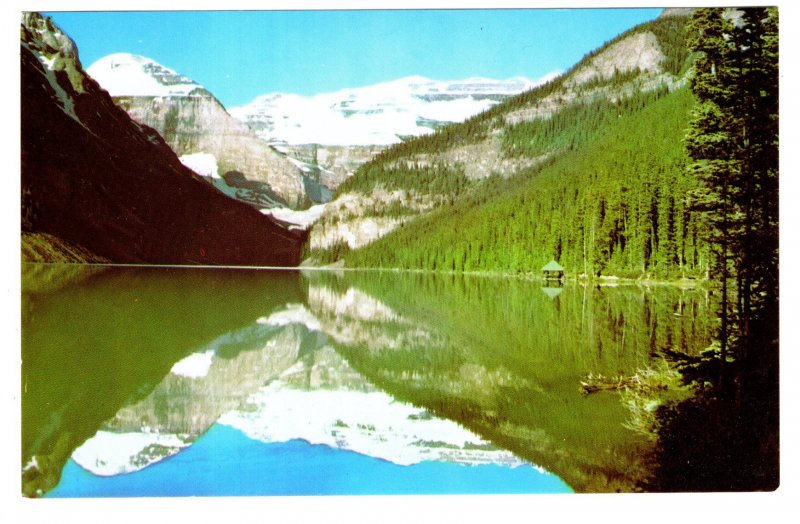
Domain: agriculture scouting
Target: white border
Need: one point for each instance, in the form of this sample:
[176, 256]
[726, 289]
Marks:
[650, 508]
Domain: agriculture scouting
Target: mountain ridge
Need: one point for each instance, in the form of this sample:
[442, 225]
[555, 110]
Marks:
[121, 75]
[193, 121]
[504, 149]
[378, 114]
[102, 182]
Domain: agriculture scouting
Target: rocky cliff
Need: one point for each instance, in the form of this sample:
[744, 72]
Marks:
[331, 165]
[192, 121]
[96, 179]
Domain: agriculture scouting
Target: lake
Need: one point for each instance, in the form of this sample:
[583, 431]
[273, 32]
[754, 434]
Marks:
[148, 381]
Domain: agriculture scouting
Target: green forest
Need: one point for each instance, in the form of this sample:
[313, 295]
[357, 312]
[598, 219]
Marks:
[608, 192]
[614, 202]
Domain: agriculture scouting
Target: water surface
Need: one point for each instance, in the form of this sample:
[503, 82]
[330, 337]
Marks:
[256, 382]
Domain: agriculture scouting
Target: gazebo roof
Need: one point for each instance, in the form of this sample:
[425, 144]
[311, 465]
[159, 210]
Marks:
[553, 266]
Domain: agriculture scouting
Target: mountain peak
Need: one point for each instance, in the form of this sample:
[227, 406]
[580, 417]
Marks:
[101, 186]
[45, 38]
[377, 114]
[126, 74]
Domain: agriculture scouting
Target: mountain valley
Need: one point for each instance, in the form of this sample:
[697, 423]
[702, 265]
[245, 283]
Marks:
[484, 184]
[353, 166]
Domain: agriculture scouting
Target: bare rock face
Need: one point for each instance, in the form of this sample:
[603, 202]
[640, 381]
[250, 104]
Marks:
[356, 219]
[676, 11]
[192, 121]
[96, 179]
[639, 51]
[204, 385]
[331, 165]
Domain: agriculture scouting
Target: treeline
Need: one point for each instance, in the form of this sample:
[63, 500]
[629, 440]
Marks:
[671, 35]
[670, 32]
[618, 205]
[470, 131]
[568, 129]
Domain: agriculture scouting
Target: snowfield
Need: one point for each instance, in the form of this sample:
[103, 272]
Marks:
[302, 219]
[292, 314]
[381, 114]
[108, 453]
[124, 74]
[204, 164]
[196, 365]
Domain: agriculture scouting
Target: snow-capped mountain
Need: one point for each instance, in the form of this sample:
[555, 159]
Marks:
[124, 74]
[195, 125]
[379, 114]
[94, 179]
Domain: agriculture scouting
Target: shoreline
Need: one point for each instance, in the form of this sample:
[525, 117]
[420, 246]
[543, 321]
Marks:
[601, 281]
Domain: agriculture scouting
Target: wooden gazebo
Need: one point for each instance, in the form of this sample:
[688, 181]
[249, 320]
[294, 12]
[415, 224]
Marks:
[553, 271]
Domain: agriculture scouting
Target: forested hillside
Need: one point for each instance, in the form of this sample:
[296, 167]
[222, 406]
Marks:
[588, 169]
[616, 203]
[669, 34]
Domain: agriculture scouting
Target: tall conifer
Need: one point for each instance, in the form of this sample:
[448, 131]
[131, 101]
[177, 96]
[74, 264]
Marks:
[733, 143]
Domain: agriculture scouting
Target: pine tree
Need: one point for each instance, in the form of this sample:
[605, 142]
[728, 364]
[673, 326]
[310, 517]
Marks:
[757, 93]
[733, 143]
[709, 142]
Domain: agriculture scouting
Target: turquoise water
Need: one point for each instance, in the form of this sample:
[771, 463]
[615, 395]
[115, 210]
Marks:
[296, 468]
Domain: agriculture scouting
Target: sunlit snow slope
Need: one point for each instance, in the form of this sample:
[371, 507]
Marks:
[379, 114]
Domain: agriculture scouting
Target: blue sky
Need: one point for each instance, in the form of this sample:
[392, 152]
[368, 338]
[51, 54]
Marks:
[239, 55]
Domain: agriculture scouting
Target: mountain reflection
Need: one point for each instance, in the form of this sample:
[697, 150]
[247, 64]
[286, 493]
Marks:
[505, 360]
[406, 368]
[95, 344]
[277, 380]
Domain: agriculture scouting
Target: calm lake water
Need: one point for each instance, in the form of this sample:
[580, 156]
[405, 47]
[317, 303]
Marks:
[202, 382]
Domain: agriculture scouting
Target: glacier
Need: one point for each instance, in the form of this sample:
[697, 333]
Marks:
[380, 114]
[125, 74]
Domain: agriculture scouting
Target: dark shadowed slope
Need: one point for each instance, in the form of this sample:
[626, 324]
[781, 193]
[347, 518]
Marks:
[96, 179]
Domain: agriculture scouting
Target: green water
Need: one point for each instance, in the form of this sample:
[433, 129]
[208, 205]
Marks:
[501, 357]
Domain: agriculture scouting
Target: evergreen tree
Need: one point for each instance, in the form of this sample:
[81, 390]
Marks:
[757, 93]
[733, 142]
[710, 142]
[614, 206]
